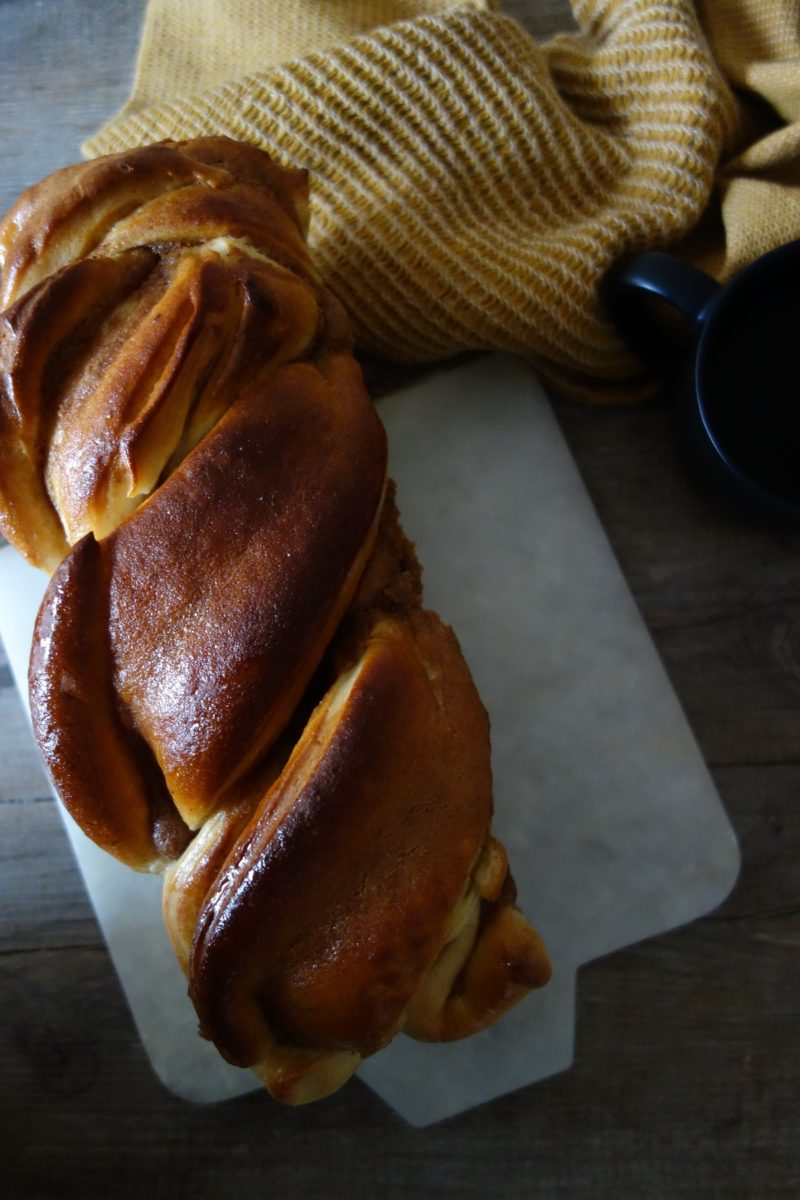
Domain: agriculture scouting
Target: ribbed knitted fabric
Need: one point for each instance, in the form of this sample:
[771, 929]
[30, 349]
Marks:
[470, 187]
[757, 44]
[188, 45]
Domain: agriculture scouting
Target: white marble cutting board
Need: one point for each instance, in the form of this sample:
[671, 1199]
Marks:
[613, 826]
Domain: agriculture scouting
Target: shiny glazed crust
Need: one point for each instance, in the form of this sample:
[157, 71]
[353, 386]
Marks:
[233, 681]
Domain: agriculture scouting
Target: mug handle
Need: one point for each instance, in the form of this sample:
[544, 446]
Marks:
[685, 288]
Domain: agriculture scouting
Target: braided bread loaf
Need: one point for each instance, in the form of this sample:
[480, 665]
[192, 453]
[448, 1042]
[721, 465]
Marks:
[233, 682]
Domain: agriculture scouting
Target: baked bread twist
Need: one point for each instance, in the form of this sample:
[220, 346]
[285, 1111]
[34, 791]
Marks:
[233, 682]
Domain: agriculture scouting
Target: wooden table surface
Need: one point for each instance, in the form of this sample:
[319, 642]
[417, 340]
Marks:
[687, 1073]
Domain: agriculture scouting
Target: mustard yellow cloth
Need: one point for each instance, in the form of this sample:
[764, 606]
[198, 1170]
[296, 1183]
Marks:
[470, 186]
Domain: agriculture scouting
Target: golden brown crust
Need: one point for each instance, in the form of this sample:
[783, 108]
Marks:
[390, 906]
[359, 853]
[103, 771]
[235, 575]
[147, 290]
[233, 680]
[69, 214]
[223, 591]
[492, 959]
[40, 338]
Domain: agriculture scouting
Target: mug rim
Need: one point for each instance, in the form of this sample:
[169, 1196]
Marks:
[728, 295]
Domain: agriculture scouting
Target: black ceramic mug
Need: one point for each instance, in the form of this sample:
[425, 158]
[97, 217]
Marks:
[738, 377]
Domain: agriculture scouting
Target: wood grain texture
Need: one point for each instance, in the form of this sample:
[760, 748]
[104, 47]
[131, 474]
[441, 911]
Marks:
[688, 1052]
